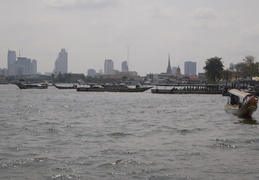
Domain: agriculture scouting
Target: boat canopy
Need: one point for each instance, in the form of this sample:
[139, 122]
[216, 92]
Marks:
[238, 93]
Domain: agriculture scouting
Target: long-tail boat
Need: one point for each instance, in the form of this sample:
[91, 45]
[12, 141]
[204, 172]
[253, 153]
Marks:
[32, 86]
[241, 103]
[112, 88]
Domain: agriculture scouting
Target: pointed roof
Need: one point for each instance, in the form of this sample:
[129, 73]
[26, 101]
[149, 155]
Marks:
[169, 69]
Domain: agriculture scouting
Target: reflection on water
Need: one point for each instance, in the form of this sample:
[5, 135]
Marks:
[248, 120]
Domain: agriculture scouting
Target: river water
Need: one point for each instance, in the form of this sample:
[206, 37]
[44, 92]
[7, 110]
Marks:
[63, 134]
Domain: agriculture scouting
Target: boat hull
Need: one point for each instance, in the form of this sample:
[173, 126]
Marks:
[65, 87]
[87, 89]
[31, 86]
[166, 91]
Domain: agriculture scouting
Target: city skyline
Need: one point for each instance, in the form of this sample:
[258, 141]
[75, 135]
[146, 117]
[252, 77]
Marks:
[150, 29]
[61, 64]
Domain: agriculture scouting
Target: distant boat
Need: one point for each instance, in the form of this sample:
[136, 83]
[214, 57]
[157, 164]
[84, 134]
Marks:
[65, 87]
[187, 89]
[112, 88]
[32, 86]
[241, 103]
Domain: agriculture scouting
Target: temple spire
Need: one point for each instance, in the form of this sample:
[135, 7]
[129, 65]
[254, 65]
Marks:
[178, 71]
[169, 69]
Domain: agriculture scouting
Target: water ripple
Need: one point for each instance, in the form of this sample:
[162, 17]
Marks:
[55, 134]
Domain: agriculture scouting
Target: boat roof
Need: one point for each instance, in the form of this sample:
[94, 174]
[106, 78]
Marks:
[238, 93]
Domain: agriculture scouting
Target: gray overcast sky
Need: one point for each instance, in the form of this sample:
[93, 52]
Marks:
[94, 30]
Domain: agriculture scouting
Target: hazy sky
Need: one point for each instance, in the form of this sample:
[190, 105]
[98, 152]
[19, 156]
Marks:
[94, 30]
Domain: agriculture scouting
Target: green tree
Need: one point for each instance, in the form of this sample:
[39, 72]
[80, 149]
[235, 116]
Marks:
[226, 75]
[213, 69]
[239, 70]
[256, 69]
[249, 60]
[247, 68]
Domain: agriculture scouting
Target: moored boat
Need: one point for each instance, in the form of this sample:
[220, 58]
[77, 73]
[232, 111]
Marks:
[32, 86]
[65, 87]
[241, 103]
[187, 89]
[112, 88]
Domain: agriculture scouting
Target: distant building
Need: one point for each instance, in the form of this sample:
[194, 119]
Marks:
[202, 75]
[48, 73]
[34, 66]
[124, 66]
[189, 68]
[189, 79]
[22, 66]
[108, 66]
[3, 72]
[178, 71]
[91, 72]
[174, 70]
[11, 59]
[61, 62]
[169, 69]
[119, 75]
[100, 71]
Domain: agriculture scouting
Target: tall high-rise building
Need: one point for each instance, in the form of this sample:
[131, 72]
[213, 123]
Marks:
[189, 68]
[108, 66]
[22, 66]
[124, 66]
[61, 62]
[169, 69]
[34, 66]
[11, 59]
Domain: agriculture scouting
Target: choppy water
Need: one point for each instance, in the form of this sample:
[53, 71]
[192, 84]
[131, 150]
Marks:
[64, 134]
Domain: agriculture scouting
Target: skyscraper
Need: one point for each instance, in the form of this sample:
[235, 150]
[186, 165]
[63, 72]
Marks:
[189, 68]
[169, 69]
[108, 66]
[124, 66]
[22, 66]
[34, 66]
[11, 58]
[61, 62]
